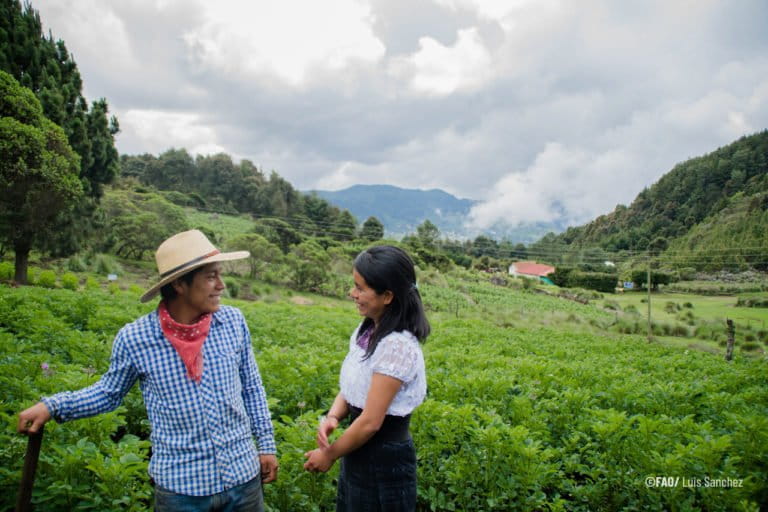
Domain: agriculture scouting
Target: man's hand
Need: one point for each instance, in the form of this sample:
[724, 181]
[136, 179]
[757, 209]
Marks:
[269, 468]
[32, 420]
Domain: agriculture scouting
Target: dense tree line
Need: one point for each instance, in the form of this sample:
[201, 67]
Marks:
[219, 184]
[44, 66]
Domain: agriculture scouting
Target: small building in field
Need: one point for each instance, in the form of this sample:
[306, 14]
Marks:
[531, 269]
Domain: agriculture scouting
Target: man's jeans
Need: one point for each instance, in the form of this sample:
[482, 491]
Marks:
[244, 497]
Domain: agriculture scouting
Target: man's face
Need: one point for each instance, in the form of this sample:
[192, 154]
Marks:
[203, 295]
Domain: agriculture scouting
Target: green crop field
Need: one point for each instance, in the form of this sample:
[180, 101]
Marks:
[532, 405]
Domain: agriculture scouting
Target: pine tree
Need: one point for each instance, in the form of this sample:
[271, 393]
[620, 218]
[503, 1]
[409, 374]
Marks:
[45, 66]
[38, 172]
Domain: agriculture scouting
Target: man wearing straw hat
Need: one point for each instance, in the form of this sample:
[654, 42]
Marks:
[200, 382]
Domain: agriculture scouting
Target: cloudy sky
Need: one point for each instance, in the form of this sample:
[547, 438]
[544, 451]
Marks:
[538, 108]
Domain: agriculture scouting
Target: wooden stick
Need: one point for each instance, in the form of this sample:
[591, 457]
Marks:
[24, 498]
[731, 339]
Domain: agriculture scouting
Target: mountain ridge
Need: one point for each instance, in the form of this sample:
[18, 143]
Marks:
[673, 213]
[401, 210]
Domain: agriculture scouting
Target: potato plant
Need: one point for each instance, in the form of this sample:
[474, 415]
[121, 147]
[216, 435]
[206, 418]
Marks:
[524, 411]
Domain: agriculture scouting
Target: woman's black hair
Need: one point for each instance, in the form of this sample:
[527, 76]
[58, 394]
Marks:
[168, 293]
[385, 267]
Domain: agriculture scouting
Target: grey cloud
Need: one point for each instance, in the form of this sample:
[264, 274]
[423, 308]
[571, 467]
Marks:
[653, 83]
[401, 23]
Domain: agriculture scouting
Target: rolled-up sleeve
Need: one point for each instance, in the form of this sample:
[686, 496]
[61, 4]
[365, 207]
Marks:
[255, 397]
[103, 396]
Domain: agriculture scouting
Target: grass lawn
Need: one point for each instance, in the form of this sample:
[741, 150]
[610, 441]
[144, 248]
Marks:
[709, 308]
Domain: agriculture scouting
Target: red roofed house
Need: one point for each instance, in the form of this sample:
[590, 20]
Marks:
[530, 269]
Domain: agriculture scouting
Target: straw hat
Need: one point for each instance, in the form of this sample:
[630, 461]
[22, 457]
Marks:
[184, 252]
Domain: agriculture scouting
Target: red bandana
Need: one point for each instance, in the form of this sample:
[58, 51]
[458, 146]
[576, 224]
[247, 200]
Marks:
[186, 339]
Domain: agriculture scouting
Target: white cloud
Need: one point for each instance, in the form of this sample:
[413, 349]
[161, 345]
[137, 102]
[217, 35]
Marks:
[561, 179]
[285, 39]
[500, 11]
[158, 131]
[442, 70]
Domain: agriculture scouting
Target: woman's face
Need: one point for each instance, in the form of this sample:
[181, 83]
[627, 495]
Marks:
[369, 303]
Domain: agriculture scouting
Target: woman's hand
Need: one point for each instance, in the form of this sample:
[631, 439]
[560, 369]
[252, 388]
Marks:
[327, 425]
[318, 459]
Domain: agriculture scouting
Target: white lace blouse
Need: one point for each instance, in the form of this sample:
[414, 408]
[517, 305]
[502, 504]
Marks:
[397, 355]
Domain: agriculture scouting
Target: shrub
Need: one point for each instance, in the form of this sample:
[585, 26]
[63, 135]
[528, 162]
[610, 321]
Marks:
[600, 281]
[233, 288]
[70, 281]
[91, 283]
[6, 271]
[640, 278]
[752, 302]
[76, 263]
[106, 264]
[631, 308]
[680, 330]
[32, 275]
[688, 305]
[612, 305]
[749, 346]
[47, 279]
[671, 307]
[561, 276]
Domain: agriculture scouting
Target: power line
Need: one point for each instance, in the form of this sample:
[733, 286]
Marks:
[559, 253]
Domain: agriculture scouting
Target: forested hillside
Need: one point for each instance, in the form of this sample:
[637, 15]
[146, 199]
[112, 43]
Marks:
[688, 209]
[216, 183]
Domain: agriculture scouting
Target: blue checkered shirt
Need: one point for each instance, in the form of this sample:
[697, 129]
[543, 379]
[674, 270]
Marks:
[202, 433]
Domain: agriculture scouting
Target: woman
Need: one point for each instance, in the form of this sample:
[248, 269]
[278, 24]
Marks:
[382, 381]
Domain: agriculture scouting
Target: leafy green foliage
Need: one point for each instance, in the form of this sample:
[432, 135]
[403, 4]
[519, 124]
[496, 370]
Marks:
[45, 66]
[571, 277]
[70, 281]
[6, 271]
[38, 172]
[372, 229]
[517, 418]
[47, 279]
[310, 265]
[135, 223]
[216, 183]
[263, 253]
[658, 277]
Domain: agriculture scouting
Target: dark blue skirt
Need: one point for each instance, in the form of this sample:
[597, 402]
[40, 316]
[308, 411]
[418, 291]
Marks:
[379, 476]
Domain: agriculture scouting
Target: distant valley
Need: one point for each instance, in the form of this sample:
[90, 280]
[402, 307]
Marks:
[402, 210]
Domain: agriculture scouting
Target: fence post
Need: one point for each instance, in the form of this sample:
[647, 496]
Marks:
[648, 286]
[731, 339]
